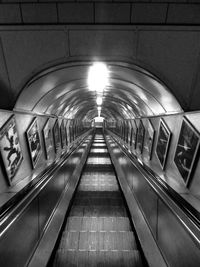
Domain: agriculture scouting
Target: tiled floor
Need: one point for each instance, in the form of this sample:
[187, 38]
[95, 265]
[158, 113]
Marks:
[98, 231]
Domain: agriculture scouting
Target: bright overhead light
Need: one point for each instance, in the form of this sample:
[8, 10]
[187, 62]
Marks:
[99, 119]
[98, 77]
[99, 100]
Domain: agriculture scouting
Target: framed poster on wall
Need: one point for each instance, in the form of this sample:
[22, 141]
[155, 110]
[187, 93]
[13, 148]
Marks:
[186, 149]
[150, 139]
[126, 125]
[140, 136]
[56, 136]
[62, 134]
[164, 136]
[71, 131]
[129, 133]
[11, 152]
[67, 132]
[48, 138]
[34, 144]
[134, 134]
[131, 137]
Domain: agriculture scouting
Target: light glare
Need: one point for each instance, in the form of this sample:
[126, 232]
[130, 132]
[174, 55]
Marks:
[98, 77]
[99, 100]
[99, 119]
[99, 111]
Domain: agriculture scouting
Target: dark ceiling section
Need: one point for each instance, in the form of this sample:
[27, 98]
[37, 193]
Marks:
[63, 91]
[94, 12]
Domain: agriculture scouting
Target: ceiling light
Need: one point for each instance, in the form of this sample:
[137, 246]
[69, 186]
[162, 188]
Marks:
[98, 77]
[99, 100]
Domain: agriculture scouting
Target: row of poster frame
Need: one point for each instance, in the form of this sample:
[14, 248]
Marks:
[186, 151]
[54, 138]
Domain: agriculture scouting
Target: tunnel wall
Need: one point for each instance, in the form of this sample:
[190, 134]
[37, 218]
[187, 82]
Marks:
[170, 174]
[41, 214]
[26, 172]
[175, 234]
[32, 200]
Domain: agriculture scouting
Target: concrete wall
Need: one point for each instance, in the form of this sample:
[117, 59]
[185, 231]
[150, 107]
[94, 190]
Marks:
[93, 12]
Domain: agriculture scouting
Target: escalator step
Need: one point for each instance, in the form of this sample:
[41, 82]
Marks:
[98, 224]
[98, 211]
[98, 259]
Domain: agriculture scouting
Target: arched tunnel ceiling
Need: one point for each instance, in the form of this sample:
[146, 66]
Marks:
[63, 91]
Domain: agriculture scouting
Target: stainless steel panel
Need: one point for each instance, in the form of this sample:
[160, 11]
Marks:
[147, 199]
[49, 197]
[47, 243]
[21, 230]
[64, 91]
[19, 241]
[178, 247]
[148, 242]
[146, 196]
[67, 172]
[175, 233]
[68, 168]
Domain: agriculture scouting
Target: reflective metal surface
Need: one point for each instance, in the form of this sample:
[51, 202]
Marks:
[63, 91]
[22, 227]
[179, 248]
[98, 231]
[17, 244]
[175, 234]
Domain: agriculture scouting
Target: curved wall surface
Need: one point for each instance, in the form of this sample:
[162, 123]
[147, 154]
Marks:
[63, 91]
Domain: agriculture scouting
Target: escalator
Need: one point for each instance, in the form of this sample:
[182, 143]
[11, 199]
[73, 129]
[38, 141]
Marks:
[97, 231]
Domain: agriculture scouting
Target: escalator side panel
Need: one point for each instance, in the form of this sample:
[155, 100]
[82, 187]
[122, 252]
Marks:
[179, 248]
[49, 197]
[17, 244]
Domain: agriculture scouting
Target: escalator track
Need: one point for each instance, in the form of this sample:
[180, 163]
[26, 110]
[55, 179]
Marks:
[98, 231]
